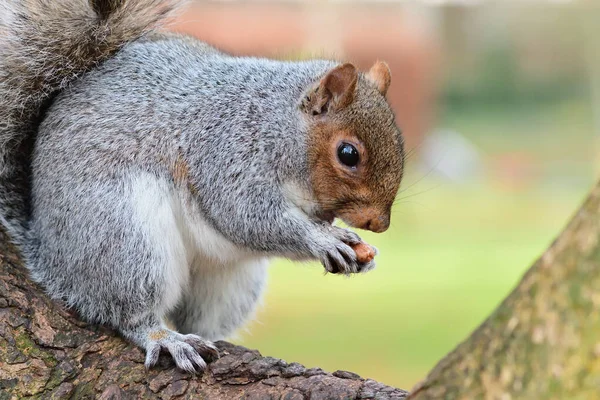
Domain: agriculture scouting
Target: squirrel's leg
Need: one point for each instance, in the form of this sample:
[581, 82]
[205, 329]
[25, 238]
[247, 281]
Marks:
[187, 350]
[155, 214]
[117, 257]
[220, 298]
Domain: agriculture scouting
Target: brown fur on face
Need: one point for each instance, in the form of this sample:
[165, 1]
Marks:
[361, 196]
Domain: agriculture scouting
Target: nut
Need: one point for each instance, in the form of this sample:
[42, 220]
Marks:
[364, 252]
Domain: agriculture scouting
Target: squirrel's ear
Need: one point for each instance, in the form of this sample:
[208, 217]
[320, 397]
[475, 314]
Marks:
[381, 76]
[335, 91]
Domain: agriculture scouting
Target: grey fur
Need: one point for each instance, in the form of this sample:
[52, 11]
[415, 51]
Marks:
[45, 45]
[158, 185]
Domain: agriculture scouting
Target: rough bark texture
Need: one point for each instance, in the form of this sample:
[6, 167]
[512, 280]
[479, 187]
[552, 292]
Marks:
[46, 352]
[543, 341]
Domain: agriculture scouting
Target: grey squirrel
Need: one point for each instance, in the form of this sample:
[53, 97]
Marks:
[148, 177]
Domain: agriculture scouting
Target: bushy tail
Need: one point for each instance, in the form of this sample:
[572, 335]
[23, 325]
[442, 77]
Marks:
[45, 45]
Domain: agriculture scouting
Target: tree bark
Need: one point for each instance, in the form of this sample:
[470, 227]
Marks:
[46, 352]
[543, 341]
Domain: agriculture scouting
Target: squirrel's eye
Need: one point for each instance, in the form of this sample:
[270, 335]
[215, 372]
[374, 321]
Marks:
[348, 155]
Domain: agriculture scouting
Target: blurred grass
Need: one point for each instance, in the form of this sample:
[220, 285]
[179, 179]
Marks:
[451, 255]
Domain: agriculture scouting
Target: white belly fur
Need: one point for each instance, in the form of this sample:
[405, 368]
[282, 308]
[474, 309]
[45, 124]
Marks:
[215, 284]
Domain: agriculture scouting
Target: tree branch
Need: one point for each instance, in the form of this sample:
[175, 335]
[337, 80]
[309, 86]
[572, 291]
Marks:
[543, 341]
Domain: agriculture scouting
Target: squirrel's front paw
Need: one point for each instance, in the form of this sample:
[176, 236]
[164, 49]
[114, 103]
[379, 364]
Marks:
[187, 350]
[339, 258]
[364, 252]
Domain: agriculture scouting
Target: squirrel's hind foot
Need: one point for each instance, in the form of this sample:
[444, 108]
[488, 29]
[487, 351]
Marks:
[188, 351]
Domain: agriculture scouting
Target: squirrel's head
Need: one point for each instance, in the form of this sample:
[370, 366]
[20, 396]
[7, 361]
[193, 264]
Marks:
[356, 154]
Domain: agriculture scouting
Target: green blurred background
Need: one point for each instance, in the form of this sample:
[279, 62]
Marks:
[501, 105]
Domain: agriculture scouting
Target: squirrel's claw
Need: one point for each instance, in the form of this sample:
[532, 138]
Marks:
[186, 350]
[362, 259]
[340, 258]
[207, 349]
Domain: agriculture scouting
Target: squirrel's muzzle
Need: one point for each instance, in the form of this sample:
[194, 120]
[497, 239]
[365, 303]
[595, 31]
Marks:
[377, 224]
[369, 219]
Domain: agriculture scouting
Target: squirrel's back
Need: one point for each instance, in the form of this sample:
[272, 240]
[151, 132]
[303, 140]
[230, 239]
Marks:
[44, 46]
[172, 96]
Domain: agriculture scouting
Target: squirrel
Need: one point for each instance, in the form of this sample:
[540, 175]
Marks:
[148, 178]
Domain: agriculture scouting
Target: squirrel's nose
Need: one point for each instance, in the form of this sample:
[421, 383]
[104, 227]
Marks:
[377, 224]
